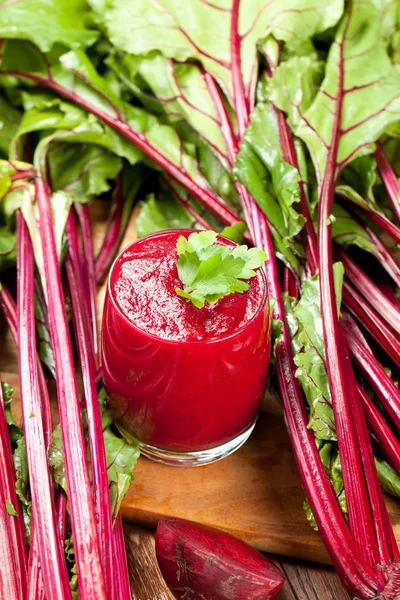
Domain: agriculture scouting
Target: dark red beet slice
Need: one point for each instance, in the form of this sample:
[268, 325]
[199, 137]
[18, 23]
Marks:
[200, 563]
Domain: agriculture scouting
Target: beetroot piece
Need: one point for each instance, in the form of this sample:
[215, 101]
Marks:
[201, 563]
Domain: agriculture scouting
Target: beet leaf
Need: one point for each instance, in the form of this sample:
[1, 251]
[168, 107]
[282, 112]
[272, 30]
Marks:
[45, 23]
[219, 34]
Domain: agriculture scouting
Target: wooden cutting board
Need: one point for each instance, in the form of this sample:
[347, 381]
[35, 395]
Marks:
[255, 494]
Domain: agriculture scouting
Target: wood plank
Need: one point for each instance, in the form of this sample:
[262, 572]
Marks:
[146, 580]
[306, 581]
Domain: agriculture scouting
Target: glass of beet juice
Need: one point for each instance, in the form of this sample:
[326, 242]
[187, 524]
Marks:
[186, 383]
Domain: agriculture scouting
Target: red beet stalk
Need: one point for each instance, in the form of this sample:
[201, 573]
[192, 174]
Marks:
[372, 322]
[9, 311]
[8, 576]
[362, 509]
[61, 507]
[386, 547]
[122, 586]
[113, 236]
[88, 268]
[35, 579]
[52, 562]
[36, 589]
[380, 302]
[387, 440]
[196, 216]
[360, 517]
[289, 155]
[385, 257]
[14, 522]
[372, 370]
[21, 173]
[389, 179]
[200, 562]
[119, 220]
[101, 495]
[87, 553]
[111, 539]
[376, 217]
[77, 264]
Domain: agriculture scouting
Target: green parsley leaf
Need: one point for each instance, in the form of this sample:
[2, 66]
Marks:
[210, 271]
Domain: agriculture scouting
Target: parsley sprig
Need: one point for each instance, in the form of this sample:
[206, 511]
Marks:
[209, 271]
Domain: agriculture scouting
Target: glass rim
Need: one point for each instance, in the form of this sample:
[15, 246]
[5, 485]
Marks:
[213, 340]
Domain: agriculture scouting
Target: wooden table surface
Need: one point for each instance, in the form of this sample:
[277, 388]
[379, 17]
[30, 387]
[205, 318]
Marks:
[305, 581]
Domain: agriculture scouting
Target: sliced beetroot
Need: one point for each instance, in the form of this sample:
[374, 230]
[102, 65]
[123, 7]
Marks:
[201, 563]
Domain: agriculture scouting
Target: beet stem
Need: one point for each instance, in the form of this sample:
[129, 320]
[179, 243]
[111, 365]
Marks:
[55, 577]
[15, 524]
[372, 370]
[115, 232]
[378, 300]
[376, 217]
[385, 257]
[89, 271]
[35, 580]
[347, 558]
[87, 554]
[372, 322]
[101, 495]
[389, 179]
[381, 430]
[8, 575]
[121, 578]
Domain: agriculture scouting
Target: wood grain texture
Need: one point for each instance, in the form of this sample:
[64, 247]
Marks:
[146, 580]
[307, 581]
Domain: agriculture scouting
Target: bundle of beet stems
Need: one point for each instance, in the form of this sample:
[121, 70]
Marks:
[283, 116]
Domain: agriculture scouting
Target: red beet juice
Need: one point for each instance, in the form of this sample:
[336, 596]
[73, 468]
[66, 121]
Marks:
[187, 383]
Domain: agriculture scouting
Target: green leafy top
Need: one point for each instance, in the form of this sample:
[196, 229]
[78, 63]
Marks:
[9, 120]
[162, 212]
[210, 271]
[272, 182]
[359, 96]
[45, 22]
[306, 331]
[203, 30]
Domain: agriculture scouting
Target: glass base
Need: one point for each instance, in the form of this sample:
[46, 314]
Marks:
[195, 459]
